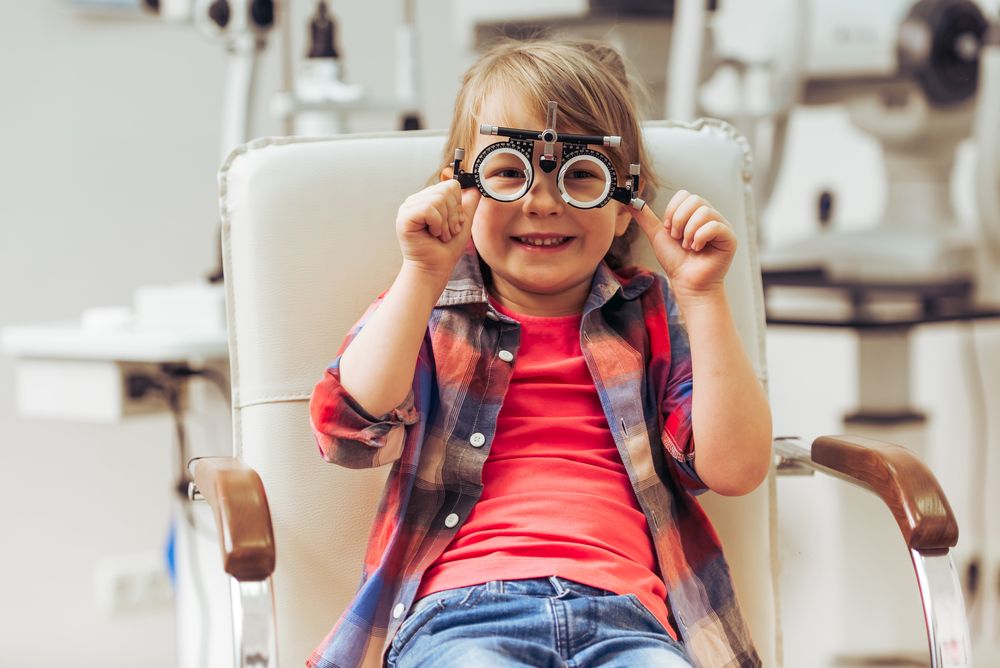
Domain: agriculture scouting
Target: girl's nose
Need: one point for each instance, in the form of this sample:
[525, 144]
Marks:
[543, 198]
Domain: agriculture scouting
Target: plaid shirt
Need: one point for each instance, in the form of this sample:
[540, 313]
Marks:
[637, 351]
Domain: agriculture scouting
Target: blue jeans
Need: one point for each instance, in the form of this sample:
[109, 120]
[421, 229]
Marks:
[542, 623]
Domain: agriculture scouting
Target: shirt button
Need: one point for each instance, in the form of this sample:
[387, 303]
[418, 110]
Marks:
[506, 355]
[450, 521]
[477, 440]
[397, 612]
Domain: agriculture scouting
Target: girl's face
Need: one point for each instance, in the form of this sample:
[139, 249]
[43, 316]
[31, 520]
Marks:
[542, 251]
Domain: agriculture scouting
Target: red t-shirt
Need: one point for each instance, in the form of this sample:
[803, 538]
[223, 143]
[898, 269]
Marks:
[556, 497]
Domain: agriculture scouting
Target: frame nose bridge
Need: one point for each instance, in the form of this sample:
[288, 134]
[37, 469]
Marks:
[543, 193]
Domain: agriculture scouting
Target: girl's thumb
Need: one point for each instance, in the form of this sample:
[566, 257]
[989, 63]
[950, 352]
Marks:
[470, 202]
[647, 220]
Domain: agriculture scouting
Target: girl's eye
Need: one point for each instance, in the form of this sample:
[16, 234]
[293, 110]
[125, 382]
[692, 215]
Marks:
[509, 174]
[581, 174]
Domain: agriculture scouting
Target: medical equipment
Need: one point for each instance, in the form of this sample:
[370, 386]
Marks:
[907, 73]
[314, 98]
[986, 134]
[243, 28]
[319, 102]
[318, 78]
[587, 179]
[914, 75]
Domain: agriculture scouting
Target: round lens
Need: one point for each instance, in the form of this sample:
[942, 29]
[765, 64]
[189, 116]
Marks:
[505, 174]
[584, 181]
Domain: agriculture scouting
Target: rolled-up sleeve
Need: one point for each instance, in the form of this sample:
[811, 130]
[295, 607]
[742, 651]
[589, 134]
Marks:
[676, 404]
[677, 437]
[350, 436]
[345, 432]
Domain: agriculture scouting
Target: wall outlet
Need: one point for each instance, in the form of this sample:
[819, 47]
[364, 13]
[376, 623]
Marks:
[133, 583]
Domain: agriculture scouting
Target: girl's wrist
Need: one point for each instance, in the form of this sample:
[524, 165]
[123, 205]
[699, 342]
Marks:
[415, 273]
[713, 296]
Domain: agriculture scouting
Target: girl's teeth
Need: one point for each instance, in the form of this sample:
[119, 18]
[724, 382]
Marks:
[542, 242]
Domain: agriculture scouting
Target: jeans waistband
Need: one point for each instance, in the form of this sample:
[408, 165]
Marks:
[547, 586]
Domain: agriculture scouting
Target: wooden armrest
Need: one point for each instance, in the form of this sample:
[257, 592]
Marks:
[236, 495]
[901, 480]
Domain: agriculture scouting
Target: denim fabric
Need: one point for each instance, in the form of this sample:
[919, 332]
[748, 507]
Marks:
[542, 623]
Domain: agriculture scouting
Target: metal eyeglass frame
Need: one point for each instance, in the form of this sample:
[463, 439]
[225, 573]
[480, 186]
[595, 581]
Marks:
[575, 148]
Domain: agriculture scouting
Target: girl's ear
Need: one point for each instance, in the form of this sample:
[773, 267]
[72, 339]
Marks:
[447, 173]
[622, 218]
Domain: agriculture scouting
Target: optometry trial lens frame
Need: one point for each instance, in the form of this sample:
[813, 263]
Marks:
[520, 144]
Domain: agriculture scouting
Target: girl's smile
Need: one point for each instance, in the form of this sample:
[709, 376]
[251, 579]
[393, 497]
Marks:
[543, 243]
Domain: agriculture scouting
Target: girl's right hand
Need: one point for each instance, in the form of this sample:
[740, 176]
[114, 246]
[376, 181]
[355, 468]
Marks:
[434, 225]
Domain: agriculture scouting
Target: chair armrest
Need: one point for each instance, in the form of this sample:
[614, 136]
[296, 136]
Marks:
[236, 495]
[895, 474]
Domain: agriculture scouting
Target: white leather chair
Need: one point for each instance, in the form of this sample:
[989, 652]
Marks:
[308, 242]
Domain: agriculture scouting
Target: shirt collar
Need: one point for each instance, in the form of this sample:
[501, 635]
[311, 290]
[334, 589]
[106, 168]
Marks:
[466, 285]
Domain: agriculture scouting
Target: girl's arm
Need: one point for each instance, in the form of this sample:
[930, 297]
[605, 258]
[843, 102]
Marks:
[731, 419]
[433, 227]
[377, 367]
[730, 416]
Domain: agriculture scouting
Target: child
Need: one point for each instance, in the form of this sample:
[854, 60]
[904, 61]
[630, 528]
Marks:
[535, 400]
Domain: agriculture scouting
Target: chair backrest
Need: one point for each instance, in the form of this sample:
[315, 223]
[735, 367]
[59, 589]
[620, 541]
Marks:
[308, 242]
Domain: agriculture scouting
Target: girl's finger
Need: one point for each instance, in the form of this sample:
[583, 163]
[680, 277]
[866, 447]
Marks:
[701, 215]
[680, 217]
[444, 209]
[412, 216]
[675, 202]
[441, 196]
[451, 194]
[470, 199]
[434, 221]
[456, 211]
[714, 232]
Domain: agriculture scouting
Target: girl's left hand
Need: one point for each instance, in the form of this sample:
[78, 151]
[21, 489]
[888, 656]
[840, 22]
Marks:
[693, 243]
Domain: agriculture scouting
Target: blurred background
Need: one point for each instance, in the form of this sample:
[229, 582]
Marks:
[872, 126]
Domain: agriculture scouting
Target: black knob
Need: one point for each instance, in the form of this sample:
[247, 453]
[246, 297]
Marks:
[322, 29]
[938, 44]
[218, 11]
[824, 208]
[262, 13]
[411, 122]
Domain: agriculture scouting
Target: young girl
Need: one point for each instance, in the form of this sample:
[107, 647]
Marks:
[535, 399]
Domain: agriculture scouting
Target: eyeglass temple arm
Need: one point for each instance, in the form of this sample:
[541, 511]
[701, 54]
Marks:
[465, 179]
[629, 194]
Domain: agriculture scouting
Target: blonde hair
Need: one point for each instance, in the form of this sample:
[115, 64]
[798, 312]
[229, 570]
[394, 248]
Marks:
[590, 82]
